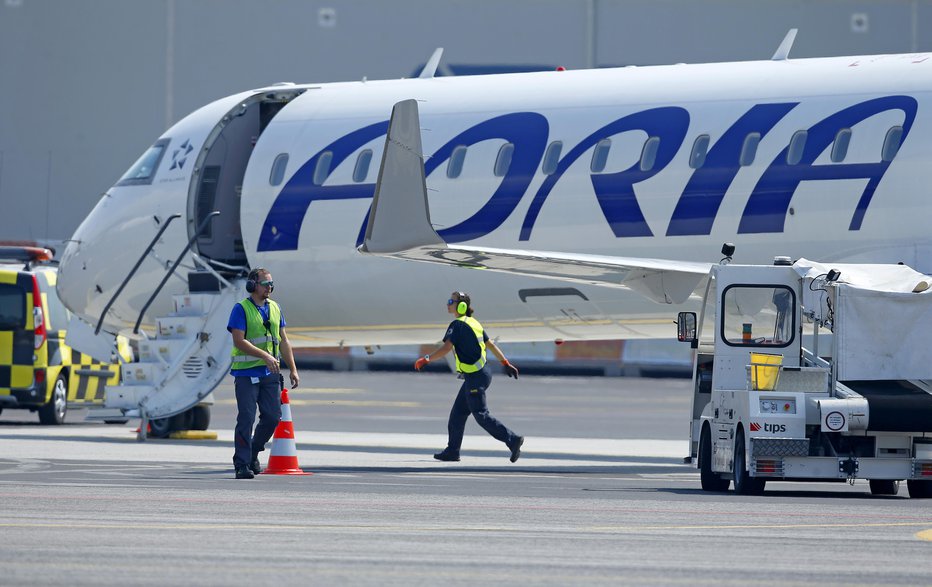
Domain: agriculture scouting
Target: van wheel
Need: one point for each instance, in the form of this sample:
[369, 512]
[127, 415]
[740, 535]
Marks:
[921, 488]
[54, 411]
[884, 486]
[710, 480]
[744, 483]
[201, 419]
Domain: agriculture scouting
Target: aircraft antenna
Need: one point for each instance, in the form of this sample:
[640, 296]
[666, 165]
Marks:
[783, 51]
[431, 67]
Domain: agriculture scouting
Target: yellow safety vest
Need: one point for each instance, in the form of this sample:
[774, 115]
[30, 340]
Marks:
[477, 329]
[256, 333]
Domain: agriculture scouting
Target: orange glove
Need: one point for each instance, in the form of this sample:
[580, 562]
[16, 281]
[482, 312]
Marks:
[419, 364]
[510, 370]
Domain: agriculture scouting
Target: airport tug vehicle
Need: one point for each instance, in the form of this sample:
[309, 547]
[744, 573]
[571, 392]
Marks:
[807, 372]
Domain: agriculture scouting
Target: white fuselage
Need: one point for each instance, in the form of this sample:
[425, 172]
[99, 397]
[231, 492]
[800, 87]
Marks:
[297, 201]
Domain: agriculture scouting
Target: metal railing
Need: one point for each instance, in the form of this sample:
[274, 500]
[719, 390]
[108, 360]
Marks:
[132, 272]
[174, 266]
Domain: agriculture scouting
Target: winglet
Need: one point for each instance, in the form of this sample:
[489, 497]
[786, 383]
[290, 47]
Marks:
[399, 218]
[783, 51]
[431, 68]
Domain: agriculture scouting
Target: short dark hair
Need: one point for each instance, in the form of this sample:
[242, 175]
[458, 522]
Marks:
[256, 272]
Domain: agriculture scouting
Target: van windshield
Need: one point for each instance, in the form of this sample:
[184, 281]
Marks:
[12, 307]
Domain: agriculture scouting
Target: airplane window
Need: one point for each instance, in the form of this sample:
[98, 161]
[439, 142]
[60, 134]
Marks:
[600, 155]
[362, 166]
[322, 170]
[794, 154]
[455, 165]
[649, 153]
[700, 149]
[278, 169]
[143, 170]
[891, 144]
[749, 149]
[552, 157]
[840, 147]
[503, 161]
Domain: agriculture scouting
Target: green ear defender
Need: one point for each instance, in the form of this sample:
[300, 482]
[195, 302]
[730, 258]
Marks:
[461, 308]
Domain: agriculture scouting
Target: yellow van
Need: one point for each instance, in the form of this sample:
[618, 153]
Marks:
[38, 371]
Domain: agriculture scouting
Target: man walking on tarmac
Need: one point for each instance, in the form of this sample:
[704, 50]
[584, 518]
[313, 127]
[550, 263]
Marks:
[467, 339]
[259, 343]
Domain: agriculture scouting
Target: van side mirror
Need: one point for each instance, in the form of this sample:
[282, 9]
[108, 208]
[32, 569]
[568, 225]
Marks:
[686, 328]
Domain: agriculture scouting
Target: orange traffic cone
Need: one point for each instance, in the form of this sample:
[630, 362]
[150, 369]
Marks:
[283, 459]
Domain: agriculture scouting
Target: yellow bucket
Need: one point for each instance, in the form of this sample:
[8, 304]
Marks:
[765, 371]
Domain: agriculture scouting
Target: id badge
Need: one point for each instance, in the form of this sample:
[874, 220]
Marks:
[254, 379]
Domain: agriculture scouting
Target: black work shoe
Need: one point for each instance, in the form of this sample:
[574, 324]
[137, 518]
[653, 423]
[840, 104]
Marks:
[446, 455]
[244, 473]
[255, 467]
[516, 449]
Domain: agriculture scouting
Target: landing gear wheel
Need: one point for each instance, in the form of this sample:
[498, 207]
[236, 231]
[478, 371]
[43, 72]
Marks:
[919, 488]
[710, 480]
[884, 486]
[744, 483]
[55, 410]
[160, 427]
[201, 417]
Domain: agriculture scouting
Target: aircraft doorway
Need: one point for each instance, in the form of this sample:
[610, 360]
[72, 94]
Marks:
[218, 184]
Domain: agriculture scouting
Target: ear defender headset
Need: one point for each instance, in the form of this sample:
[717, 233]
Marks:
[464, 303]
[251, 281]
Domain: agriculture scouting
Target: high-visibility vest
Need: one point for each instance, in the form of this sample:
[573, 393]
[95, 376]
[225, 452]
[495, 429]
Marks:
[477, 329]
[264, 338]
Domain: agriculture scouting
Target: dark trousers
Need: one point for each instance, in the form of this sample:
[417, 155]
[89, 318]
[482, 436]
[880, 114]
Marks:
[471, 400]
[267, 396]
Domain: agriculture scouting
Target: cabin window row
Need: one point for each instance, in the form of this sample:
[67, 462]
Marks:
[697, 156]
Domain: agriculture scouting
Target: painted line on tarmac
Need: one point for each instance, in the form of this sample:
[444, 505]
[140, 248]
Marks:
[755, 526]
[924, 535]
[341, 402]
[324, 390]
[396, 527]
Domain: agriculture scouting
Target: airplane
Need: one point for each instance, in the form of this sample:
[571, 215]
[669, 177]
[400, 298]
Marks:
[824, 158]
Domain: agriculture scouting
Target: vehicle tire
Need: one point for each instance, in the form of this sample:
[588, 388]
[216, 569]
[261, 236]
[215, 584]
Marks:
[710, 480]
[57, 407]
[201, 417]
[744, 483]
[115, 421]
[884, 486]
[919, 488]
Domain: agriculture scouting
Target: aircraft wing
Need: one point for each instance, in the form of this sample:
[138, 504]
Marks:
[399, 226]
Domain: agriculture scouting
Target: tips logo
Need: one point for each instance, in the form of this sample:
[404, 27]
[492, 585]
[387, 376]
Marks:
[772, 428]
[180, 155]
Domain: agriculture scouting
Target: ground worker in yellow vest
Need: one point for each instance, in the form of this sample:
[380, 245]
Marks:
[259, 343]
[467, 339]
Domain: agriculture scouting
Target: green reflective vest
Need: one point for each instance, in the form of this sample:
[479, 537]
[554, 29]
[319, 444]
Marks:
[264, 338]
[477, 329]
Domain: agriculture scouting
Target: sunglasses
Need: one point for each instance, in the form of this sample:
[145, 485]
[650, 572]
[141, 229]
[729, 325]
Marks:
[451, 301]
[267, 283]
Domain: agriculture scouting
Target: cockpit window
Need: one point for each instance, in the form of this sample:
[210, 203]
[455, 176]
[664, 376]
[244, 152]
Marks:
[142, 172]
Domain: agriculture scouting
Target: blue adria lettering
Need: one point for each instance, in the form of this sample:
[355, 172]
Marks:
[696, 207]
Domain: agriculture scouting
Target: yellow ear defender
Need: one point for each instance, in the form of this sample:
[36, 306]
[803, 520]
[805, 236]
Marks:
[461, 308]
